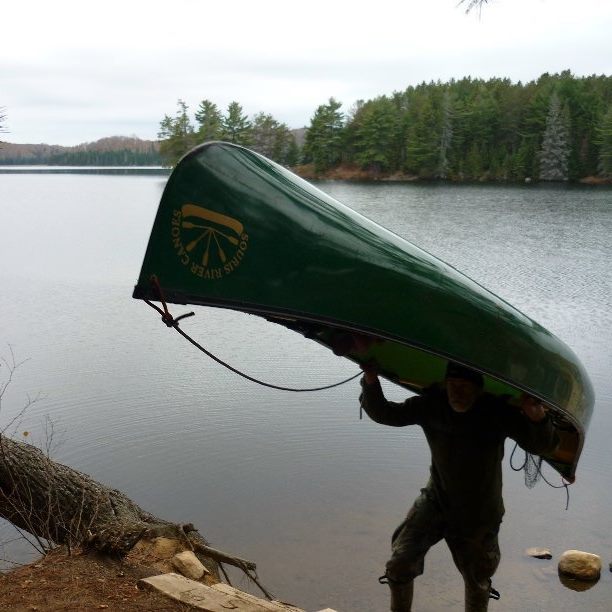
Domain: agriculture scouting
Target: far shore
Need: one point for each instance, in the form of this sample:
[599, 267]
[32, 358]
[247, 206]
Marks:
[345, 172]
[357, 174]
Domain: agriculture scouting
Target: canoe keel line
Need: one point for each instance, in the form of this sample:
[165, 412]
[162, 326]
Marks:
[235, 230]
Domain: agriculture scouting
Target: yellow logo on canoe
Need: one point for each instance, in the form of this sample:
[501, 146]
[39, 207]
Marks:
[210, 244]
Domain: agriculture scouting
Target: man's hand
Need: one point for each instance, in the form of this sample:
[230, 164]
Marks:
[370, 372]
[533, 408]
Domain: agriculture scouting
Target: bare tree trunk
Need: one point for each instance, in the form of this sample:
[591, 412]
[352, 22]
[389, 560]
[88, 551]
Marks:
[60, 505]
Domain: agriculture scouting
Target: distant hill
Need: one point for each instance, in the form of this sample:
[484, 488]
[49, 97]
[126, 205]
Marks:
[112, 151]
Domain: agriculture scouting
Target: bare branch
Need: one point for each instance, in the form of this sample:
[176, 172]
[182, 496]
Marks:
[11, 365]
[471, 4]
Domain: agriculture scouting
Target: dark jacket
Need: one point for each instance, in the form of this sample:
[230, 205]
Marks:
[466, 448]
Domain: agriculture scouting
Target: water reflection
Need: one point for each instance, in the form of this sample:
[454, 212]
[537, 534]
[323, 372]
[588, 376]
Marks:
[295, 481]
[576, 585]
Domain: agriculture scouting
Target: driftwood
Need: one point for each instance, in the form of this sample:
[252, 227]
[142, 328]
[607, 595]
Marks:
[59, 505]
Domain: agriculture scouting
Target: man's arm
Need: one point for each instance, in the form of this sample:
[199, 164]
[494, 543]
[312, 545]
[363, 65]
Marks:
[380, 410]
[532, 427]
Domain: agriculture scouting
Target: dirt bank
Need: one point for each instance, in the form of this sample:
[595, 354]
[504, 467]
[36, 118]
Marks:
[81, 581]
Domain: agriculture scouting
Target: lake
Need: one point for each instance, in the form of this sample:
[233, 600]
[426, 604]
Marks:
[296, 482]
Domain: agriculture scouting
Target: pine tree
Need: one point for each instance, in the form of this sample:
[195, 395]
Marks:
[446, 136]
[209, 121]
[473, 166]
[555, 150]
[272, 138]
[236, 126]
[375, 134]
[461, 125]
[292, 156]
[283, 142]
[604, 140]
[176, 134]
[484, 124]
[324, 139]
[264, 134]
[423, 134]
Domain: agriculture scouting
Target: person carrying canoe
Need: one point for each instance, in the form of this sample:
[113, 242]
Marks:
[462, 502]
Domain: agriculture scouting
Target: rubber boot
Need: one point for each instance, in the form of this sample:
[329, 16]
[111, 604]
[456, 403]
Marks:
[401, 596]
[476, 599]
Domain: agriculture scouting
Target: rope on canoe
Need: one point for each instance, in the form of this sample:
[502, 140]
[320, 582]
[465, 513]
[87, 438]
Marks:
[533, 472]
[173, 322]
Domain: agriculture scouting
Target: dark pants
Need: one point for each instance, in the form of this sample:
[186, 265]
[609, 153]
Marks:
[475, 551]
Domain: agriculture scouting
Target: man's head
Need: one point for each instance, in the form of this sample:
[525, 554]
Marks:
[463, 386]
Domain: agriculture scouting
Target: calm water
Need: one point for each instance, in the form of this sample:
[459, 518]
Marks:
[295, 482]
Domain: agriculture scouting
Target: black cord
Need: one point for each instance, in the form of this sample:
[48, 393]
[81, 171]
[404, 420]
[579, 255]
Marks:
[563, 485]
[170, 321]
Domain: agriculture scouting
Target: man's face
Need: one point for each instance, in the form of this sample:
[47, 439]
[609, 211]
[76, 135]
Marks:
[461, 393]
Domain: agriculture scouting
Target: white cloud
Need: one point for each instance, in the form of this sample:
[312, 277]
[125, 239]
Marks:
[73, 71]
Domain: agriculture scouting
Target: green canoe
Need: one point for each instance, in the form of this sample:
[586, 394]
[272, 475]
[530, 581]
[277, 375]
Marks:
[235, 230]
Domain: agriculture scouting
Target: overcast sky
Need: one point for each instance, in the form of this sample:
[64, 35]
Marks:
[75, 71]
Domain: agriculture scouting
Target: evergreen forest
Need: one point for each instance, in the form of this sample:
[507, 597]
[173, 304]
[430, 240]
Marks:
[556, 128]
[121, 157]
[263, 133]
[110, 151]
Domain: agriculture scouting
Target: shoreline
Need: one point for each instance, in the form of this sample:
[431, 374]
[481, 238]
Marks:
[307, 172]
[356, 174]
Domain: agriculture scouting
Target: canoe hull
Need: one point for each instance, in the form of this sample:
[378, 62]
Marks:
[235, 230]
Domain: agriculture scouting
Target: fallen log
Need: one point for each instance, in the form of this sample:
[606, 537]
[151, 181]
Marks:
[59, 505]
